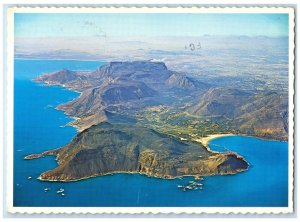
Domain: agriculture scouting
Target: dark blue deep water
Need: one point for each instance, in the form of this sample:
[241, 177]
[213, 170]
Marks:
[38, 127]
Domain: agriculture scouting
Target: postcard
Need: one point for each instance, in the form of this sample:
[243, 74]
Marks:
[149, 109]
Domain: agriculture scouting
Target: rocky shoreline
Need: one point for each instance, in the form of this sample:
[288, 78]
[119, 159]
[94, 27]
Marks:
[43, 177]
[40, 155]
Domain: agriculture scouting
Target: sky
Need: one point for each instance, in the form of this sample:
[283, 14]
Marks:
[45, 25]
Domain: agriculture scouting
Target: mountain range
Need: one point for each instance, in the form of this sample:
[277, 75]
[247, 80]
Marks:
[112, 139]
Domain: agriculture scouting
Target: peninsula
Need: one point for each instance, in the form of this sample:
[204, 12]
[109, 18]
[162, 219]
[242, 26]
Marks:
[109, 148]
[143, 118]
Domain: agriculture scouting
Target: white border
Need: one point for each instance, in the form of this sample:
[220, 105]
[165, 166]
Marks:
[135, 210]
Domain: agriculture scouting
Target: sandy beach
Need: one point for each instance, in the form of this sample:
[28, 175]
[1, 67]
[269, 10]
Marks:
[207, 139]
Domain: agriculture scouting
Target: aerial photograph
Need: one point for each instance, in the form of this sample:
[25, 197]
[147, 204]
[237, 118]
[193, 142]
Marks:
[151, 110]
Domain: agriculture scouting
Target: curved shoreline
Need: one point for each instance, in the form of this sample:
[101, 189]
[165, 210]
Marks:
[195, 176]
[205, 140]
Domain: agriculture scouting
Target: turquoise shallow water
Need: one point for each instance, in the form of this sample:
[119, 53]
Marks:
[37, 127]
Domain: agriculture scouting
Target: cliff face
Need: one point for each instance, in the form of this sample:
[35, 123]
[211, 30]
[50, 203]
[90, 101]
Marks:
[136, 70]
[107, 148]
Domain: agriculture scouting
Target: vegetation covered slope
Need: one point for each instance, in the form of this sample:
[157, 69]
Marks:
[263, 114]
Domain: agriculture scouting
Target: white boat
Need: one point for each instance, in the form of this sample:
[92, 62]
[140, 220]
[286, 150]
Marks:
[61, 190]
[29, 178]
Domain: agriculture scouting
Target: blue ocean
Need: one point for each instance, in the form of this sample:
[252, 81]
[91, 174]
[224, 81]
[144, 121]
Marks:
[38, 126]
